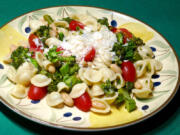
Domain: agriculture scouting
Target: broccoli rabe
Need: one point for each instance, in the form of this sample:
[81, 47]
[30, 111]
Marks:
[128, 51]
[43, 33]
[54, 56]
[103, 21]
[124, 96]
[71, 80]
[21, 55]
[67, 19]
[108, 88]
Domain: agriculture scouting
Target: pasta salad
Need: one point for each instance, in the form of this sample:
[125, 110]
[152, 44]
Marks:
[84, 62]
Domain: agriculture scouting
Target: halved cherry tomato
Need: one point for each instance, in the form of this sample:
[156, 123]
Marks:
[35, 44]
[37, 93]
[90, 55]
[83, 102]
[126, 34]
[34, 41]
[74, 24]
[113, 29]
[128, 71]
[59, 49]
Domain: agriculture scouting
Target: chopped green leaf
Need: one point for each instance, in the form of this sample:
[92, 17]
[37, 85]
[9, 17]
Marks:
[119, 37]
[103, 21]
[67, 19]
[61, 36]
[108, 88]
[65, 69]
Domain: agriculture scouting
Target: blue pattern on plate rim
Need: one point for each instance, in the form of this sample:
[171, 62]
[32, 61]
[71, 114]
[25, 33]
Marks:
[156, 84]
[114, 23]
[67, 114]
[35, 101]
[27, 29]
[145, 107]
[1, 66]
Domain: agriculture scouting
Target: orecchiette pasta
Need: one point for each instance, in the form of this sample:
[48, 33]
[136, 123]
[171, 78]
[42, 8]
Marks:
[145, 52]
[157, 65]
[78, 90]
[142, 93]
[140, 68]
[96, 90]
[24, 73]
[19, 91]
[53, 41]
[119, 82]
[93, 76]
[107, 74]
[146, 82]
[40, 80]
[81, 76]
[54, 99]
[62, 86]
[110, 100]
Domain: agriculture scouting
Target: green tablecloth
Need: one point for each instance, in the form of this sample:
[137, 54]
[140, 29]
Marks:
[163, 15]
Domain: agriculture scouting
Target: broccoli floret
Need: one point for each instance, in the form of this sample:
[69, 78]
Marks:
[124, 96]
[54, 56]
[19, 56]
[108, 88]
[67, 19]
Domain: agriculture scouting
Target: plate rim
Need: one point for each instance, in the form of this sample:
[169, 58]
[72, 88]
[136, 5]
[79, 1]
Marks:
[92, 129]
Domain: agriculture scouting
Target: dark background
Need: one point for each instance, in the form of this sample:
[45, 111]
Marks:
[163, 15]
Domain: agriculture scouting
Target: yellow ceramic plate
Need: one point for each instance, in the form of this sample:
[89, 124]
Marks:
[165, 82]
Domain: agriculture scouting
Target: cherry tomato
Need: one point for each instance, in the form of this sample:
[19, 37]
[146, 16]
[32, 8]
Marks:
[113, 29]
[90, 55]
[59, 49]
[74, 24]
[83, 102]
[128, 71]
[37, 93]
[34, 41]
[126, 34]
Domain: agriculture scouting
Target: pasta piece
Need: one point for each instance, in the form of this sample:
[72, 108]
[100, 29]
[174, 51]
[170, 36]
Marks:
[81, 76]
[143, 93]
[111, 99]
[100, 106]
[140, 68]
[54, 99]
[107, 74]
[39, 58]
[19, 91]
[157, 65]
[145, 52]
[11, 73]
[24, 73]
[62, 86]
[146, 82]
[40, 80]
[119, 82]
[42, 61]
[96, 90]
[150, 67]
[78, 90]
[106, 59]
[53, 41]
[93, 76]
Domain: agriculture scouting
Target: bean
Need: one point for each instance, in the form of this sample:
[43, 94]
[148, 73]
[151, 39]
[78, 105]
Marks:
[115, 68]
[67, 99]
[98, 105]
[51, 69]
[137, 85]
